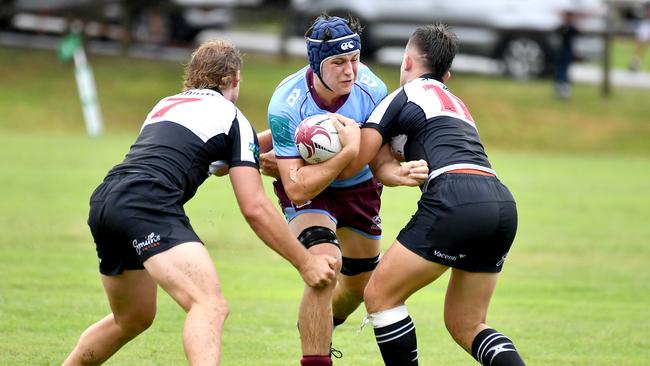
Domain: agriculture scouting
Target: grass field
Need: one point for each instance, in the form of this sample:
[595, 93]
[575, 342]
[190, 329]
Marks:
[575, 289]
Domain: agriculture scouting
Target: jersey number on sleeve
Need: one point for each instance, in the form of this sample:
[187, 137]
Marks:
[176, 101]
[448, 104]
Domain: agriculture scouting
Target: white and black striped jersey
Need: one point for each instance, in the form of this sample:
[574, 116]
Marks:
[424, 120]
[187, 135]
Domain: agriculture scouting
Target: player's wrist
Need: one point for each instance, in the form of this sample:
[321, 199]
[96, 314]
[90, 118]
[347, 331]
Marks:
[349, 152]
[302, 260]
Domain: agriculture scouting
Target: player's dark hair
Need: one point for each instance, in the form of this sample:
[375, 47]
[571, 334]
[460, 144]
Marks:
[353, 23]
[438, 46]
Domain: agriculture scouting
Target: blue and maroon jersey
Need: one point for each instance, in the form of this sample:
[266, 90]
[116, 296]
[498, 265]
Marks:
[293, 101]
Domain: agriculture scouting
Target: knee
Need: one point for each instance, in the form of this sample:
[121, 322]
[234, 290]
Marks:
[370, 298]
[221, 308]
[135, 323]
[211, 300]
[217, 307]
[359, 266]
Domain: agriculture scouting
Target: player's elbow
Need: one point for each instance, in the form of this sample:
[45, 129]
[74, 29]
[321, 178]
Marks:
[298, 195]
[299, 199]
[253, 211]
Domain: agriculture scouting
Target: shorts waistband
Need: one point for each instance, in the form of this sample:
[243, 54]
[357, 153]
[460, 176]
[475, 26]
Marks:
[470, 171]
[366, 183]
[459, 169]
[120, 173]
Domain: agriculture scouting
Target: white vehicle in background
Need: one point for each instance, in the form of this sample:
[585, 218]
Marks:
[180, 20]
[518, 33]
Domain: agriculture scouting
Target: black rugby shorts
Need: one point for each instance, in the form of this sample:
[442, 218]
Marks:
[464, 221]
[134, 216]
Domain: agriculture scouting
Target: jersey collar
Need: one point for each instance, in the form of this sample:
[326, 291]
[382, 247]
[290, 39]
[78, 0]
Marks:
[312, 90]
[216, 90]
[430, 75]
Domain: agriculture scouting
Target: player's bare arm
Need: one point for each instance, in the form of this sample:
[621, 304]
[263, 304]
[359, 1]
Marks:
[370, 143]
[392, 173]
[268, 224]
[385, 166]
[265, 140]
[268, 162]
[303, 181]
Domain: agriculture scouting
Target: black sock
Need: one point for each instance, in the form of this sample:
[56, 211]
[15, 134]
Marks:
[492, 348]
[398, 343]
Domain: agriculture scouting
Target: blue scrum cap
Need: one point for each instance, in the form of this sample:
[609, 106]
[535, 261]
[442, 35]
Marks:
[330, 36]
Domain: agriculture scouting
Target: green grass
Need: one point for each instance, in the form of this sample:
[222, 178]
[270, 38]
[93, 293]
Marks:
[574, 292]
[623, 50]
[575, 289]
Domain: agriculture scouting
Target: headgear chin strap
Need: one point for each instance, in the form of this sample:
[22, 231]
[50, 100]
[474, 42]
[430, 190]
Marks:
[330, 37]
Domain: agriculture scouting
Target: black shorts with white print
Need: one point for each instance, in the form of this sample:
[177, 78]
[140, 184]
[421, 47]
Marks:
[134, 216]
[464, 221]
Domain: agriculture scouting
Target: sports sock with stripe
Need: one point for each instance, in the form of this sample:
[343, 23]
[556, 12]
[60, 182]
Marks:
[395, 335]
[492, 348]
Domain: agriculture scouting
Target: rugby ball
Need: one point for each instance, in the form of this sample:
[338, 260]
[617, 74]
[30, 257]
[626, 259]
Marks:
[317, 139]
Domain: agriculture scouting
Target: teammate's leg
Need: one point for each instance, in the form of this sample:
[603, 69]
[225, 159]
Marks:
[315, 313]
[399, 274]
[187, 273]
[466, 304]
[347, 296]
[132, 297]
[360, 255]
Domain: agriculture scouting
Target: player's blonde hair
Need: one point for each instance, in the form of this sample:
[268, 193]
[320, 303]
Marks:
[213, 65]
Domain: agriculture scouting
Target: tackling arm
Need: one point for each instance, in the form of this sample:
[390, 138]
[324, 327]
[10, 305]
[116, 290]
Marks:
[268, 163]
[383, 163]
[269, 226]
[391, 173]
[265, 139]
[370, 144]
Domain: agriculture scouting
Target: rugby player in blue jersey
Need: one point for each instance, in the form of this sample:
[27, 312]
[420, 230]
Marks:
[338, 217]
